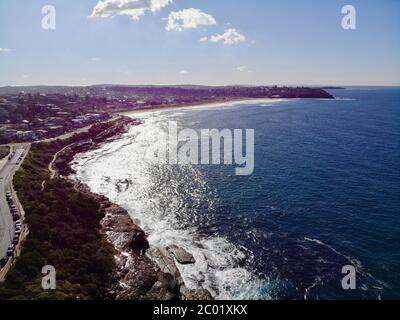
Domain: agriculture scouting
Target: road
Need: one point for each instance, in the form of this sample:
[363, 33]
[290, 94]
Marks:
[6, 176]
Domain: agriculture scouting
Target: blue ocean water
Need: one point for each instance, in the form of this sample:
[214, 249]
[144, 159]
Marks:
[325, 193]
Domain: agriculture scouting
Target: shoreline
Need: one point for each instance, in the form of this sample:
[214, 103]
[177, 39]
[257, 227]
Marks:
[165, 258]
[199, 105]
[142, 272]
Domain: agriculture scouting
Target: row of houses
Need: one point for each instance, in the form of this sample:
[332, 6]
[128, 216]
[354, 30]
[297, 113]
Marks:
[9, 133]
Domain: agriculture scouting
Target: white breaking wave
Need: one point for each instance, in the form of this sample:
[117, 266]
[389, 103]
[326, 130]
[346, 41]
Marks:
[171, 204]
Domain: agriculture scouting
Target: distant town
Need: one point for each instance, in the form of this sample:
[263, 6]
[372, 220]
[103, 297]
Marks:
[35, 113]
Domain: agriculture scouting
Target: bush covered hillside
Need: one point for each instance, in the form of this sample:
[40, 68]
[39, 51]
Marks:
[64, 231]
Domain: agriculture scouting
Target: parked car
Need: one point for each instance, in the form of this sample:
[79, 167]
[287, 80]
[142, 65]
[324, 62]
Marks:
[16, 239]
[10, 250]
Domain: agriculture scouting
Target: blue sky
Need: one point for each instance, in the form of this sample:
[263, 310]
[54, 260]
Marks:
[280, 42]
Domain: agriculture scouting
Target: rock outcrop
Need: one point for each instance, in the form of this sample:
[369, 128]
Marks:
[142, 272]
[167, 266]
[181, 255]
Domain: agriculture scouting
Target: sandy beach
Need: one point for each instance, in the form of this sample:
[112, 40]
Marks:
[203, 105]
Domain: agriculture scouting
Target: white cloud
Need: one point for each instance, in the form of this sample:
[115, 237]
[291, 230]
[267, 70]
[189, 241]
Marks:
[95, 59]
[242, 69]
[133, 8]
[5, 50]
[230, 36]
[183, 72]
[204, 39]
[188, 19]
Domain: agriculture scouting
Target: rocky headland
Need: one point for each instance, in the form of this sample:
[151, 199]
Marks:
[141, 271]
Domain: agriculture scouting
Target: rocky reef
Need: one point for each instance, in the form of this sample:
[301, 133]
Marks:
[142, 272]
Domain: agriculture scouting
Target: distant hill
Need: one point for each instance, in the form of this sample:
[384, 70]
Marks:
[175, 91]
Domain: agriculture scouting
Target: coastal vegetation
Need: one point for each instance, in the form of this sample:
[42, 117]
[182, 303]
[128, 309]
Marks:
[64, 232]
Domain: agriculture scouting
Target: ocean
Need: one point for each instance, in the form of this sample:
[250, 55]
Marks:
[325, 193]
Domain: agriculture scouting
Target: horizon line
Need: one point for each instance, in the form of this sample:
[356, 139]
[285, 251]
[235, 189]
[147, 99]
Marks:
[199, 85]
